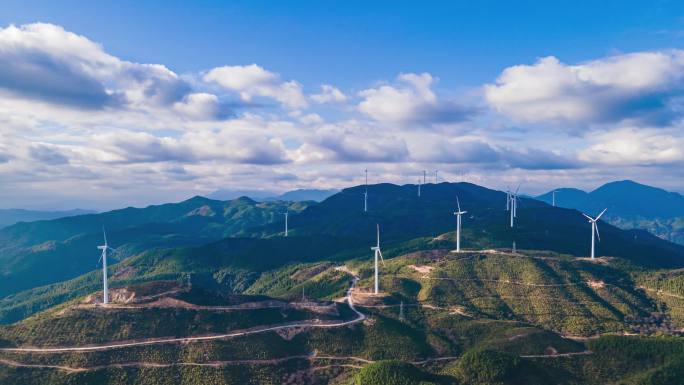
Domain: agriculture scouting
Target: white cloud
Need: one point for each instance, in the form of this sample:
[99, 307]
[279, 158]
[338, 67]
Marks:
[410, 101]
[329, 94]
[45, 62]
[632, 146]
[252, 80]
[199, 106]
[351, 143]
[640, 87]
[311, 119]
[80, 123]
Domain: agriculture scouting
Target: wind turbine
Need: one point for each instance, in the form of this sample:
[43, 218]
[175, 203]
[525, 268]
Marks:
[419, 187]
[458, 225]
[377, 253]
[103, 258]
[365, 194]
[287, 214]
[553, 198]
[424, 176]
[508, 199]
[512, 204]
[594, 229]
[515, 202]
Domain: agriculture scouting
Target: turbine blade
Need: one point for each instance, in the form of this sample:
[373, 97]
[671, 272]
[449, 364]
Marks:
[599, 216]
[104, 233]
[597, 232]
[588, 217]
[458, 203]
[381, 258]
[378, 227]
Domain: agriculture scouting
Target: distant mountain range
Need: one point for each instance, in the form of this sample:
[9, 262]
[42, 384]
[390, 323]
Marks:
[630, 205]
[11, 216]
[316, 195]
[226, 242]
[38, 253]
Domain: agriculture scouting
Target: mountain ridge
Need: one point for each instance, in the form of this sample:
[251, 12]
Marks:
[630, 205]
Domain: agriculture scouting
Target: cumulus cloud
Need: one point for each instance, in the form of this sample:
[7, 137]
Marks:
[252, 80]
[643, 87]
[631, 146]
[410, 101]
[141, 147]
[351, 144]
[45, 62]
[311, 119]
[199, 106]
[149, 132]
[329, 94]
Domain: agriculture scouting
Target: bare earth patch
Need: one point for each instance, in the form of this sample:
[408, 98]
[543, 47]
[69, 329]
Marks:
[596, 284]
[422, 269]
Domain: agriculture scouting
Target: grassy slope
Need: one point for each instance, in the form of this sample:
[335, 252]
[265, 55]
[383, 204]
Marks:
[67, 245]
[423, 333]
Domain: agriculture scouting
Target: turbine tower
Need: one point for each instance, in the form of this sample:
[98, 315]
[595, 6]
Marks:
[378, 253]
[553, 198]
[515, 202]
[287, 214]
[103, 258]
[365, 194]
[508, 199]
[419, 187]
[512, 204]
[594, 229]
[458, 225]
[424, 176]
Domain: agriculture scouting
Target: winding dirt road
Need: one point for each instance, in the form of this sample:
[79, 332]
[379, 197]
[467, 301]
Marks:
[156, 341]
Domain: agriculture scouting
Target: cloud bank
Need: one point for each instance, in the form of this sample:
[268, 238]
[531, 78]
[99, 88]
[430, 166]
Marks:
[78, 122]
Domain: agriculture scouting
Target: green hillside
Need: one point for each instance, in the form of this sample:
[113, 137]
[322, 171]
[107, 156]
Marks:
[477, 329]
[67, 245]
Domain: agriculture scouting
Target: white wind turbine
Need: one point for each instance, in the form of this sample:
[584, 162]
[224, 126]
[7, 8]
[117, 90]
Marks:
[365, 194]
[378, 253]
[508, 199]
[513, 204]
[418, 186]
[103, 258]
[287, 214]
[594, 229]
[458, 225]
[553, 198]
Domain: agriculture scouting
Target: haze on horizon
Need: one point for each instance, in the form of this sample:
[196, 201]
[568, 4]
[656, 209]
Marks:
[117, 104]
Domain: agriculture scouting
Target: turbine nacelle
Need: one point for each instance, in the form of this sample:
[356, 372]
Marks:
[594, 229]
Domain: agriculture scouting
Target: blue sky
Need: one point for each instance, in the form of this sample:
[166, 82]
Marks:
[184, 99]
[357, 42]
